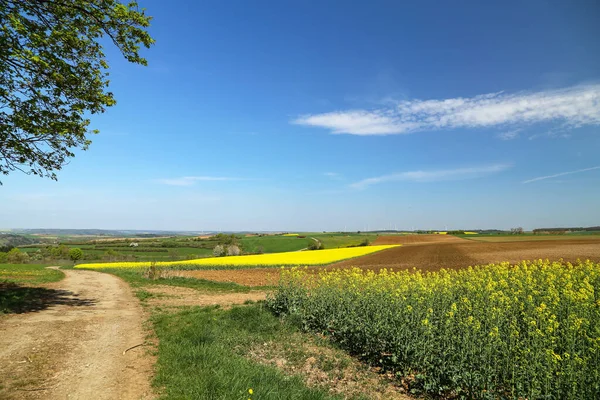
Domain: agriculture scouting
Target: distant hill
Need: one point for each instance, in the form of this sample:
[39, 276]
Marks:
[10, 240]
[100, 232]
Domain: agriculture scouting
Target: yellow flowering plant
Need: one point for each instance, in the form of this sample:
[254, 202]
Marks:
[529, 330]
[320, 257]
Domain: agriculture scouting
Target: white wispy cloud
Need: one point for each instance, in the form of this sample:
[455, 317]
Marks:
[509, 135]
[332, 175]
[574, 106]
[540, 178]
[191, 180]
[432, 176]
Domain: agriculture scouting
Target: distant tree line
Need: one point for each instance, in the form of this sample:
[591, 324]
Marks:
[578, 229]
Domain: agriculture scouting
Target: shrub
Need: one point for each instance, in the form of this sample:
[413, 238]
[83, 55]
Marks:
[75, 254]
[60, 252]
[219, 251]
[315, 245]
[152, 272]
[233, 250]
[15, 256]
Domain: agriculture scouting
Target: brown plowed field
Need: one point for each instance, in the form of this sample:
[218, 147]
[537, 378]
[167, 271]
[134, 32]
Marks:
[430, 253]
[466, 252]
[416, 239]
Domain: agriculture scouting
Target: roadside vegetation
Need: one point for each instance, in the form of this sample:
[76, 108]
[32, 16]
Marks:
[248, 353]
[499, 331]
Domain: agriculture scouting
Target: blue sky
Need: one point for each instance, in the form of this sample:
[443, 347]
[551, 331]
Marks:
[331, 115]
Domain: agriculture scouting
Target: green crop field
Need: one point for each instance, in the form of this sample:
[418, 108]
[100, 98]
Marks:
[273, 244]
[335, 240]
[17, 286]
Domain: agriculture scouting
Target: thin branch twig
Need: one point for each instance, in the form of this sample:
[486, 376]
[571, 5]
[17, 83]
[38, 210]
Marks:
[132, 347]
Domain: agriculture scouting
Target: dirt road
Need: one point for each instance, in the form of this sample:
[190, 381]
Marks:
[70, 344]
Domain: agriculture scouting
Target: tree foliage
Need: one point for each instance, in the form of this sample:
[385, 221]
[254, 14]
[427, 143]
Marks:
[53, 75]
[219, 251]
[75, 254]
[16, 256]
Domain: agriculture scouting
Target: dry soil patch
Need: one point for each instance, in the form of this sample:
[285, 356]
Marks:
[174, 296]
[416, 239]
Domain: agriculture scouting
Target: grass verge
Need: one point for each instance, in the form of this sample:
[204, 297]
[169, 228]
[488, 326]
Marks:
[200, 356]
[210, 353]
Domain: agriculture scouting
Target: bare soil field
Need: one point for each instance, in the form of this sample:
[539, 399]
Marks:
[416, 239]
[529, 238]
[430, 253]
[245, 276]
[463, 253]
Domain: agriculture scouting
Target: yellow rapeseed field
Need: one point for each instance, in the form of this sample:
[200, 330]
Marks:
[291, 234]
[513, 331]
[315, 257]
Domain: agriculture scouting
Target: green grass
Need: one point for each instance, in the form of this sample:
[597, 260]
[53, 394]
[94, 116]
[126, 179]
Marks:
[273, 244]
[28, 273]
[335, 240]
[16, 293]
[201, 356]
[144, 295]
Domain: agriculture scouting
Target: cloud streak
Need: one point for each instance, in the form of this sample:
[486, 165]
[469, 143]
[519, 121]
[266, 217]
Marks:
[432, 176]
[333, 175]
[574, 106]
[541, 178]
[191, 180]
[509, 135]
